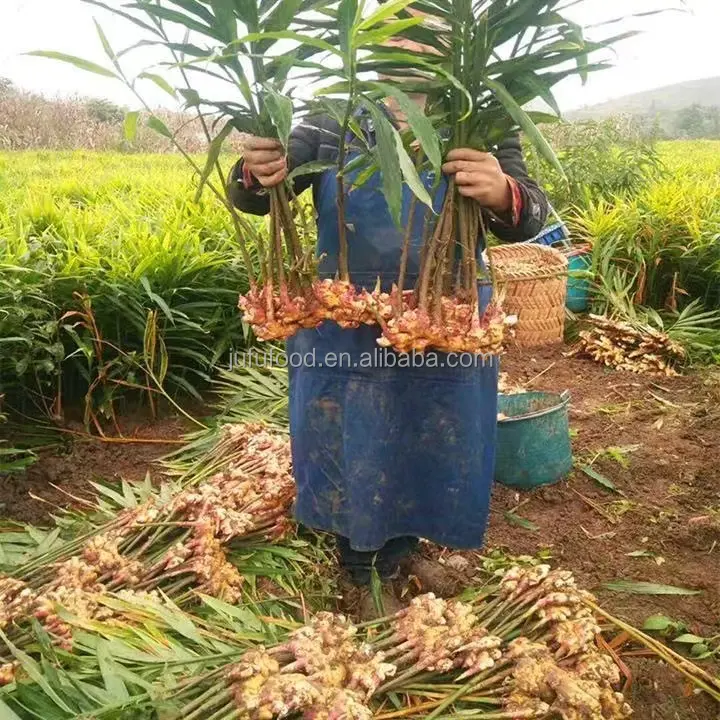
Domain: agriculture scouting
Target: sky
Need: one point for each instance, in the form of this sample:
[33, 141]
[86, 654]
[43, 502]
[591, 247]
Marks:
[672, 47]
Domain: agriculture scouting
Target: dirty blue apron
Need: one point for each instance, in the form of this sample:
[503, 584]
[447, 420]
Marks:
[381, 452]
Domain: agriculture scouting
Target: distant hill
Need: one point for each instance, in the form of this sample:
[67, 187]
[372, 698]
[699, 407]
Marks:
[686, 110]
[669, 99]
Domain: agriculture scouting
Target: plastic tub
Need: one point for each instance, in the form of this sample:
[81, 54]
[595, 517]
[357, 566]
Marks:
[533, 439]
[578, 292]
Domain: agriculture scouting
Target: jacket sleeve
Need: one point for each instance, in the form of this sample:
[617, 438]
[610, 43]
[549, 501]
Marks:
[535, 206]
[305, 143]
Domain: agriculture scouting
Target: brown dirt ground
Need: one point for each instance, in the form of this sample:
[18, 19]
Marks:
[670, 506]
[31, 497]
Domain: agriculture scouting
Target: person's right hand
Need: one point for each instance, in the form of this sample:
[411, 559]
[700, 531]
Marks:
[265, 159]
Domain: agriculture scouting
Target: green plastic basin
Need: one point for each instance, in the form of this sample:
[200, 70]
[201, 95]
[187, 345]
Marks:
[533, 439]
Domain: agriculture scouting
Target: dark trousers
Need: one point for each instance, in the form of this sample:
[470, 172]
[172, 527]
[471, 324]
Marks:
[386, 560]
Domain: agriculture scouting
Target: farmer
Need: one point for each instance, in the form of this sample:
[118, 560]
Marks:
[386, 455]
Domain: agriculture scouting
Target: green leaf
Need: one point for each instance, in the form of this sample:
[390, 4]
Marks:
[131, 124]
[289, 35]
[48, 542]
[196, 8]
[522, 522]
[157, 299]
[6, 713]
[525, 123]
[282, 15]
[657, 622]
[247, 618]
[599, 478]
[165, 13]
[161, 82]
[347, 12]
[701, 651]
[126, 16]
[156, 124]
[418, 121]
[385, 11]
[410, 173]
[108, 668]
[379, 35]
[191, 97]
[689, 639]
[280, 108]
[249, 13]
[213, 154]
[635, 587]
[128, 494]
[225, 21]
[179, 622]
[386, 157]
[311, 168]
[376, 591]
[76, 61]
[394, 59]
[106, 44]
[112, 494]
[35, 673]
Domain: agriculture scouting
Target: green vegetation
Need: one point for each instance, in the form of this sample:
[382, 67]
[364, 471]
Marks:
[656, 251]
[651, 214]
[110, 274]
[122, 232]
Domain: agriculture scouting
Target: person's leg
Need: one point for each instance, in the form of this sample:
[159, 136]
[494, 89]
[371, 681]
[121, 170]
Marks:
[356, 564]
[359, 564]
[393, 554]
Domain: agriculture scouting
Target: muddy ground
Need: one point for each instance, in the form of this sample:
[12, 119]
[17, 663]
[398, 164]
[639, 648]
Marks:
[657, 440]
[67, 470]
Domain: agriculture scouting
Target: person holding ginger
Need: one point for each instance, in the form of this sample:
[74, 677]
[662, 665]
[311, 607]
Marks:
[386, 455]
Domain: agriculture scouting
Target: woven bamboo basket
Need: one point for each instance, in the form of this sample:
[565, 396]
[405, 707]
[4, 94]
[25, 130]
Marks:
[532, 280]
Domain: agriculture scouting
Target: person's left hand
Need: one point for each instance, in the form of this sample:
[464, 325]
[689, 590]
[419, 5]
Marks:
[478, 175]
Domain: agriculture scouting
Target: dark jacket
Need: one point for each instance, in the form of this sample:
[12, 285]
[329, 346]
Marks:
[316, 140]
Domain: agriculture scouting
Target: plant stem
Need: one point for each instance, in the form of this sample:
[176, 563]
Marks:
[343, 266]
[693, 672]
[479, 682]
[430, 259]
[469, 213]
[215, 697]
[404, 257]
[227, 712]
[294, 245]
[276, 239]
[419, 158]
[490, 267]
[199, 702]
[443, 249]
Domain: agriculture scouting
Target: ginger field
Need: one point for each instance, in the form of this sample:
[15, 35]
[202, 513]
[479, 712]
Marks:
[118, 298]
[118, 239]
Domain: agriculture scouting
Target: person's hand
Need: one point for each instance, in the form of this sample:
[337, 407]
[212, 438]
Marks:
[478, 175]
[265, 159]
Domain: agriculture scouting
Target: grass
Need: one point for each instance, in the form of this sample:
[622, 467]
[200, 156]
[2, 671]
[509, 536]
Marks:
[663, 242]
[114, 282]
[110, 274]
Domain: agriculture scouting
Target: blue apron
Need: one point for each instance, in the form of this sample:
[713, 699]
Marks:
[381, 452]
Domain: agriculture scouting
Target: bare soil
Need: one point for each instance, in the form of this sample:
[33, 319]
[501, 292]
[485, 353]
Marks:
[667, 468]
[656, 439]
[63, 473]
